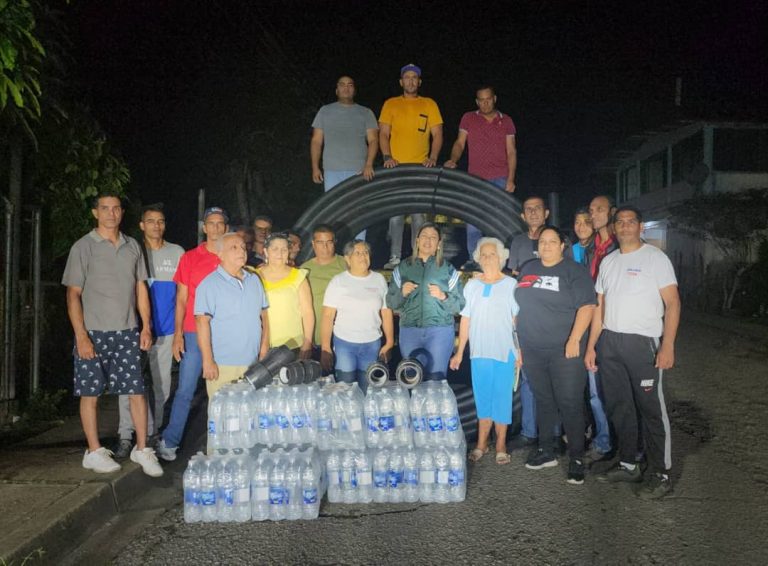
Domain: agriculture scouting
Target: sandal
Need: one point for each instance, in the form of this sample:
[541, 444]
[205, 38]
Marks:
[476, 454]
[502, 458]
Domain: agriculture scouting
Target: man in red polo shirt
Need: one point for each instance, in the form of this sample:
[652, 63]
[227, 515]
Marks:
[194, 266]
[492, 150]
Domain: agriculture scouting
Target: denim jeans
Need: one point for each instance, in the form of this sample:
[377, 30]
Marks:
[189, 372]
[527, 408]
[353, 359]
[332, 178]
[602, 437]
[473, 233]
[432, 346]
[396, 227]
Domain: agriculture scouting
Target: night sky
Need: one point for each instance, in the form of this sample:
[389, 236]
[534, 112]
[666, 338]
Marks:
[177, 85]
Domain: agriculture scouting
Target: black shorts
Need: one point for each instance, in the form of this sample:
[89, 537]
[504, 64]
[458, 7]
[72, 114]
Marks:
[116, 367]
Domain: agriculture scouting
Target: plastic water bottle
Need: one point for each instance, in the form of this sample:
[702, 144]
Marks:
[380, 471]
[348, 477]
[371, 413]
[295, 415]
[215, 409]
[434, 418]
[403, 433]
[418, 420]
[225, 491]
[442, 474]
[282, 432]
[248, 416]
[208, 490]
[323, 422]
[232, 436]
[353, 415]
[364, 473]
[309, 402]
[333, 471]
[241, 479]
[395, 477]
[410, 475]
[453, 434]
[277, 492]
[457, 485]
[293, 488]
[260, 488]
[310, 490]
[264, 416]
[193, 509]
[386, 417]
[426, 477]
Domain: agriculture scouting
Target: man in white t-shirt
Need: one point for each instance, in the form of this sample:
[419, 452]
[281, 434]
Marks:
[636, 322]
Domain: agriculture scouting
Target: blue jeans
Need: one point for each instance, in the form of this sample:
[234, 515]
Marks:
[332, 178]
[432, 346]
[473, 233]
[602, 438]
[189, 372]
[353, 359]
[528, 411]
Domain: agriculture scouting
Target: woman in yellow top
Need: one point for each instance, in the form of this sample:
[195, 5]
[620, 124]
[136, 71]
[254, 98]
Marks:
[291, 320]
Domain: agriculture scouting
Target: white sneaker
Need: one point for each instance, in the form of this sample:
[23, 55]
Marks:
[100, 461]
[393, 262]
[166, 453]
[148, 461]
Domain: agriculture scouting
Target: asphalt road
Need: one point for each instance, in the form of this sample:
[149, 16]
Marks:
[717, 514]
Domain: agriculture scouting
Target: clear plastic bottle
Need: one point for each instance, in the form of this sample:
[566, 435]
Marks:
[277, 492]
[457, 485]
[380, 471]
[426, 477]
[449, 412]
[293, 488]
[260, 488]
[434, 418]
[411, 475]
[193, 510]
[349, 477]
[371, 412]
[215, 409]
[310, 490]
[282, 431]
[395, 483]
[323, 420]
[442, 473]
[263, 416]
[418, 420]
[225, 491]
[296, 415]
[242, 484]
[333, 472]
[402, 417]
[208, 489]
[353, 415]
[364, 473]
[232, 431]
[386, 417]
[248, 416]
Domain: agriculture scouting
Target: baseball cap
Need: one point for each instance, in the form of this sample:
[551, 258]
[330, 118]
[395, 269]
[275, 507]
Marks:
[411, 67]
[215, 210]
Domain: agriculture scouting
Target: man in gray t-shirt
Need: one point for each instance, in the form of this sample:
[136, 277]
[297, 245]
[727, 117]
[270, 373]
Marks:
[346, 135]
[105, 278]
[524, 246]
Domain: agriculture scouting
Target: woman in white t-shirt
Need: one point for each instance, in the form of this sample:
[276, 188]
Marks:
[355, 316]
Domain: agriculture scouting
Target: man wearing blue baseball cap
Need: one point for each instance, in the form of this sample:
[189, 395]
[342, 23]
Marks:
[194, 266]
[406, 125]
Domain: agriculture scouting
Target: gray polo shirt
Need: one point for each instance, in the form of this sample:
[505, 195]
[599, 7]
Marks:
[344, 135]
[107, 274]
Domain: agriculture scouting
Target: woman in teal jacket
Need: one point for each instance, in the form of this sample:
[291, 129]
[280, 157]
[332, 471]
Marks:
[428, 294]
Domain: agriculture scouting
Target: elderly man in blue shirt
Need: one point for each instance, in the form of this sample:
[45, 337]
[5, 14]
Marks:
[231, 316]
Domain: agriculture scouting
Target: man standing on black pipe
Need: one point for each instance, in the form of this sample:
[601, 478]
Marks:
[346, 135]
[406, 125]
[492, 150]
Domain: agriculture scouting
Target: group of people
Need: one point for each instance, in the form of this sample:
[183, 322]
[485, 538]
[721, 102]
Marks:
[559, 320]
[346, 138]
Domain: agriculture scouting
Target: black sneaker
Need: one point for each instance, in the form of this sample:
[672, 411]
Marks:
[519, 442]
[539, 459]
[656, 487]
[575, 472]
[620, 473]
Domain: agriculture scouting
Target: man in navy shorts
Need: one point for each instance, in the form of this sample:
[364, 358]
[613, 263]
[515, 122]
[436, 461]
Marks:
[105, 278]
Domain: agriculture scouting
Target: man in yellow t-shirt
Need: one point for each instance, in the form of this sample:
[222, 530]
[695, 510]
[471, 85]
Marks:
[406, 125]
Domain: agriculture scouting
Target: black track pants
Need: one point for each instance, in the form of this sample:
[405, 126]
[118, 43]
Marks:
[558, 385]
[632, 386]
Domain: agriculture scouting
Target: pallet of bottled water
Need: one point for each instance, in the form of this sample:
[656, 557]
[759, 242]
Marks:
[435, 416]
[275, 486]
[398, 475]
[387, 417]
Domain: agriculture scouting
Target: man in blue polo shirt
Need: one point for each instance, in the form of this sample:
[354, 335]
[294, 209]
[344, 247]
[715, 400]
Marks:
[231, 316]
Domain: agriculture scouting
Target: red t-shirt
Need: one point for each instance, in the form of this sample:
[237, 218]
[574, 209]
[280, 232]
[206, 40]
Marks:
[488, 143]
[194, 266]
